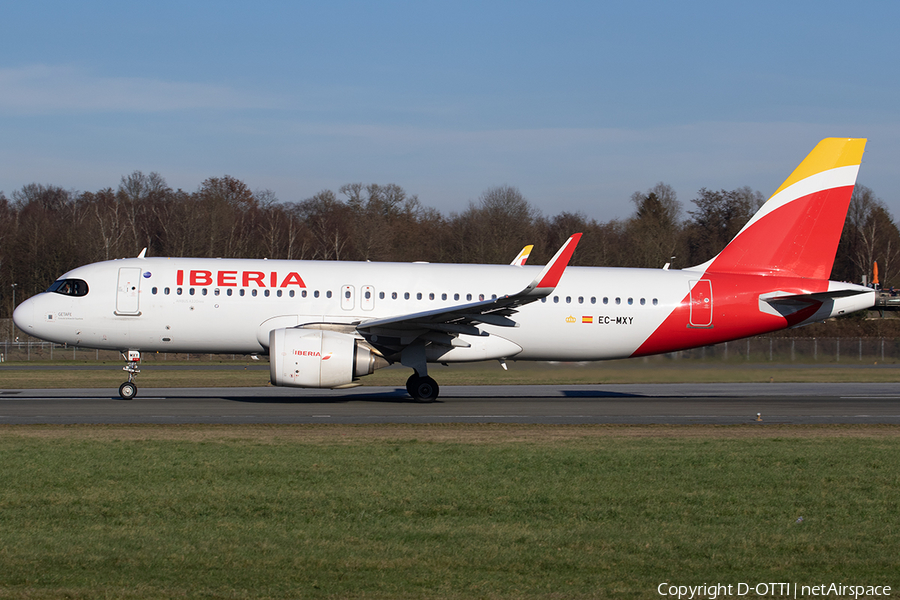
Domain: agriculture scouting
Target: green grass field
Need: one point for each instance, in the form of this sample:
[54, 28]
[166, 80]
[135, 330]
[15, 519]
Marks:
[443, 511]
[657, 370]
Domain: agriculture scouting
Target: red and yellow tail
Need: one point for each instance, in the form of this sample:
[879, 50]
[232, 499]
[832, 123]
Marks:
[796, 232]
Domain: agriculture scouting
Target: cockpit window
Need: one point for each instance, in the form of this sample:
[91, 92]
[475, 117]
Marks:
[69, 287]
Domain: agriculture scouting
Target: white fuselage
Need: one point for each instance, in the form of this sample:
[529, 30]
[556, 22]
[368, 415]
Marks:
[231, 305]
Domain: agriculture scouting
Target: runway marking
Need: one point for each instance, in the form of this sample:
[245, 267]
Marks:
[89, 398]
[870, 397]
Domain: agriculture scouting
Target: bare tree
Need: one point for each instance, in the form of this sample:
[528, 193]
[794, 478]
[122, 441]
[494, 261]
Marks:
[654, 230]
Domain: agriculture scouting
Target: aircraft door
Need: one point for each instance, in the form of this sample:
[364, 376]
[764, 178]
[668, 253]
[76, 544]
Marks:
[128, 291]
[701, 303]
[347, 299]
[367, 301]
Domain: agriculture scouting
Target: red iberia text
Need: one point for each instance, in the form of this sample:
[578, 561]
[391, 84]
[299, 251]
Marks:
[272, 279]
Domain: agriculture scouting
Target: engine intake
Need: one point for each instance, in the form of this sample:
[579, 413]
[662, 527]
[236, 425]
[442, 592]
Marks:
[319, 359]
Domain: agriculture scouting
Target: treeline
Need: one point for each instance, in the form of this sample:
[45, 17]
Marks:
[47, 230]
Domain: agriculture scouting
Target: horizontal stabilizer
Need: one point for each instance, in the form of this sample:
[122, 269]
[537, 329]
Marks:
[787, 303]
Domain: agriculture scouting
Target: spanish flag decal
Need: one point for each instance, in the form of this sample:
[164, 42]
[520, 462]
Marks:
[587, 319]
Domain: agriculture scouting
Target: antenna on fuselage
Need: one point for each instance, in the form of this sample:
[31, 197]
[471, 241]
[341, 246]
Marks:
[143, 253]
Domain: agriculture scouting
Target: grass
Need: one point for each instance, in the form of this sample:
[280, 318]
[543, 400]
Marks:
[474, 511]
[657, 370]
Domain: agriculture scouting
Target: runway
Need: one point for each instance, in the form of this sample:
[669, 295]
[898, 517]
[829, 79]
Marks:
[800, 403]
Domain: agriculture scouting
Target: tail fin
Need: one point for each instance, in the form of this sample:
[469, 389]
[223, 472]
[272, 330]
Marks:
[796, 232]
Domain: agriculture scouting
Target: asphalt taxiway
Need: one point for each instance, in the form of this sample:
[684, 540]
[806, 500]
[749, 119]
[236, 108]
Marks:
[764, 403]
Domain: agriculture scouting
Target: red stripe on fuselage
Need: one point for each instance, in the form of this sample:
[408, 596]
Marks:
[736, 312]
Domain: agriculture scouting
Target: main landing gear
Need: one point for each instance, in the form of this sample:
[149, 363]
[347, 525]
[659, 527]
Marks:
[128, 390]
[423, 389]
[419, 385]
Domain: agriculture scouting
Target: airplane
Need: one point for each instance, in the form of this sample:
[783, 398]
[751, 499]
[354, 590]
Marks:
[326, 324]
[522, 257]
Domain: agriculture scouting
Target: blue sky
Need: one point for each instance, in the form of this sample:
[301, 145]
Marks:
[578, 104]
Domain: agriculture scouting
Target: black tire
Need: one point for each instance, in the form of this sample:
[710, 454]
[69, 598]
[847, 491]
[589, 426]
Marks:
[127, 390]
[411, 385]
[425, 389]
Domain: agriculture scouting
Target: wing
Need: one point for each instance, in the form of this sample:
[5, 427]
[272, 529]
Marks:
[443, 325]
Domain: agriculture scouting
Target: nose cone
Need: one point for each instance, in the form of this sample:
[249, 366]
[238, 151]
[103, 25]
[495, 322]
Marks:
[23, 316]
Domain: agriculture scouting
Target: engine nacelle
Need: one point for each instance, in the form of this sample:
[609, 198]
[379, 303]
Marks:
[319, 359]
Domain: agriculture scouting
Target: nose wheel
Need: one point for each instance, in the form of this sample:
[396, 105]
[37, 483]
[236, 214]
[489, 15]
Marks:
[128, 390]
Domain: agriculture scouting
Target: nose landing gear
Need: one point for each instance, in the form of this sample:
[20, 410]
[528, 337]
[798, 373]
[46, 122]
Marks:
[128, 390]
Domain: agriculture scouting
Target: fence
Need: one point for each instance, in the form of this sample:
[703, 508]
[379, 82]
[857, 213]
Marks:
[758, 349]
[802, 350]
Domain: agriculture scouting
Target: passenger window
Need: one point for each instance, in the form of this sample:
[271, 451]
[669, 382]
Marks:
[368, 295]
[643, 301]
[242, 292]
[431, 296]
[303, 294]
[316, 294]
[655, 302]
[418, 295]
[568, 299]
[166, 291]
[443, 296]
[228, 292]
[555, 299]
[630, 301]
[216, 292]
[178, 291]
[605, 300]
[279, 293]
[456, 296]
[291, 293]
[347, 294]
[406, 295]
[191, 291]
[593, 300]
[468, 296]
[393, 295]
[203, 292]
[328, 294]
[266, 293]
[580, 299]
[153, 291]
[253, 292]
[481, 297]
[618, 301]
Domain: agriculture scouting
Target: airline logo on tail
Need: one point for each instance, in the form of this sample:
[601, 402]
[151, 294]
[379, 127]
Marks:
[796, 232]
[774, 273]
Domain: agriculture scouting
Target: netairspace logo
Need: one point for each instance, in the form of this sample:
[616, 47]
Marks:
[713, 591]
